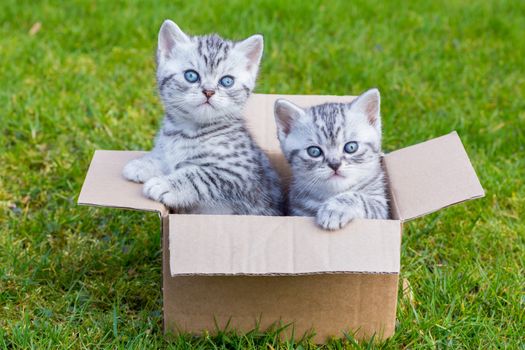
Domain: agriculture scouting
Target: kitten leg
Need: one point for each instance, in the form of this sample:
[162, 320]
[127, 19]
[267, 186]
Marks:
[192, 184]
[142, 169]
[338, 211]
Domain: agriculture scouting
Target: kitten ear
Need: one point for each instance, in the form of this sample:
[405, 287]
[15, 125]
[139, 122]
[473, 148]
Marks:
[169, 36]
[369, 105]
[252, 48]
[286, 113]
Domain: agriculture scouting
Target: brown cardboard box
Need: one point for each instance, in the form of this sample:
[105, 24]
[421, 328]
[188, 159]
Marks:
[248, 270]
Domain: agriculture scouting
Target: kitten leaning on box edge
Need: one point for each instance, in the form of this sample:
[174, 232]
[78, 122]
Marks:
[334, 150]
[204, 159]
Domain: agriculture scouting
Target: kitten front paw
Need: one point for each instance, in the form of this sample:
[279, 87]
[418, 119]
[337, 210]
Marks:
[159, 189]
[332, 217]
[139, 171]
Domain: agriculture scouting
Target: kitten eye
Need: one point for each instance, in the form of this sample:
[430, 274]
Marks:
[226, 81]
[351, 147]
[191, 76]
[314, 151]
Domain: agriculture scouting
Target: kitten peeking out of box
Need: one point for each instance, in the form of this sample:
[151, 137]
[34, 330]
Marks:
[334, 150]
[206, 162]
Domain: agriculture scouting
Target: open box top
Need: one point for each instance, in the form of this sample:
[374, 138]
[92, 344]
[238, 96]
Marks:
[423, 178]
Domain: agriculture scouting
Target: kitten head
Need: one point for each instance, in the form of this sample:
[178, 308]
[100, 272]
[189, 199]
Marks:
[334, 146]
[203, 78]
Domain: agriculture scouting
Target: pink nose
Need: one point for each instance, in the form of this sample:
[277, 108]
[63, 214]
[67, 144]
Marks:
[334, 166]
[208, 93]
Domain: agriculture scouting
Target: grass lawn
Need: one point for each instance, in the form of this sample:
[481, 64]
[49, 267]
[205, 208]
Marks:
[84, 277]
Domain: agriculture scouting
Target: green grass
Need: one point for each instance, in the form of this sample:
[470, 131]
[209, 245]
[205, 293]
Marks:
[74, 277]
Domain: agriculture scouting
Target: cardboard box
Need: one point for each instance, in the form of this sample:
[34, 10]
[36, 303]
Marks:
[248, 270]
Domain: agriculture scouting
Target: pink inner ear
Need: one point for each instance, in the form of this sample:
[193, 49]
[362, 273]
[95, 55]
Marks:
[253, 56]
[372, 111]
[166, 42]
[287, 125]
[285, 121]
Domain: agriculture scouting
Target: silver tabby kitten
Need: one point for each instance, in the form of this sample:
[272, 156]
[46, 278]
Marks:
[334, 150]
[204, 159]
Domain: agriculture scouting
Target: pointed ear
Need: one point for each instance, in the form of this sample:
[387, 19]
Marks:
[169, 36]
[369, 105]
[252, 48]
[286, 113]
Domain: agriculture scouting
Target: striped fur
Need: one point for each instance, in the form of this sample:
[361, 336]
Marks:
[204, 159]
[335, 187]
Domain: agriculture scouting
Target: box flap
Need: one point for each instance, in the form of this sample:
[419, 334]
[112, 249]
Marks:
[430, 176]
[266, 245]
[260, 120]
[104, 185]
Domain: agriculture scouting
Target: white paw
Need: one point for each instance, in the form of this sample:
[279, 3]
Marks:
[139, 170]
[332, 216]
[158, 189]
[161, 190]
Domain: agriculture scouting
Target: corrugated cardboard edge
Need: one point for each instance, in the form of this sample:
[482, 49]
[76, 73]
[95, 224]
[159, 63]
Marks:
[283, 274]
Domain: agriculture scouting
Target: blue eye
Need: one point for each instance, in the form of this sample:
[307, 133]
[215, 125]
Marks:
[351, 147]
[191, 76]
[314, 151]
[226, 81]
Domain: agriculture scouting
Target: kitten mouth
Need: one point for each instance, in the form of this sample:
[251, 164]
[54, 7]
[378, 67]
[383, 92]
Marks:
[336, 176]
[207, 103]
